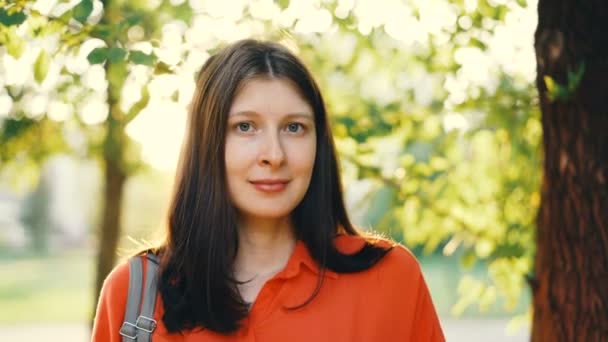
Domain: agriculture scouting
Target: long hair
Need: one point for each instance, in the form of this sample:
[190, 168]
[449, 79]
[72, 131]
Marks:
[195, 283]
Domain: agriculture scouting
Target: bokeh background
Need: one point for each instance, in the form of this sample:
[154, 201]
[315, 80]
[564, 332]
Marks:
[432, 103]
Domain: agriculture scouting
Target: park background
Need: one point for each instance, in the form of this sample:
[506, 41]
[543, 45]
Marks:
[432, 102]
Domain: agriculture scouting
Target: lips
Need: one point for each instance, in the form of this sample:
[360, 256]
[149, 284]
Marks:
[270, 181]
[270, 185]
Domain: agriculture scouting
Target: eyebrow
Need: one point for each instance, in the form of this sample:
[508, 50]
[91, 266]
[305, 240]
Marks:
[304, 115]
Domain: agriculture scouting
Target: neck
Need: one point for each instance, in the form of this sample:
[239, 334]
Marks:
[264, 247]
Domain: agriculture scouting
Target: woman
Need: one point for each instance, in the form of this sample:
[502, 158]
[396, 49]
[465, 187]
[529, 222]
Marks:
[259, 245]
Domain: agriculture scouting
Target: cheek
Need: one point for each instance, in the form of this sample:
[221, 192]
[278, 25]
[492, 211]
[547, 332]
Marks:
[235, 157]
[303, 157]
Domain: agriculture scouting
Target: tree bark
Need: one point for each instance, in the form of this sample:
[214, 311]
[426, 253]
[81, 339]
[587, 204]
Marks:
[570, 287]
[110, 227]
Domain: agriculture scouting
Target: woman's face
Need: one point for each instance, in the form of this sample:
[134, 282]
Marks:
[270, 148]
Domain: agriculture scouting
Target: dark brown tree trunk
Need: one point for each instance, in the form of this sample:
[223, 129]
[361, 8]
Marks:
[110, 226]
[570, 288]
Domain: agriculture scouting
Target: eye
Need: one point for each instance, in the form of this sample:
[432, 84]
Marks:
[243, 126]
[294, 126]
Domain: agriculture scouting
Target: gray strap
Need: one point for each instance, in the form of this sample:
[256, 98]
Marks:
[145, 322]
[128, 331]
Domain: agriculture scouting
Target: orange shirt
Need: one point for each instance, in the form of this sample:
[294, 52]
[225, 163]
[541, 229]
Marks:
[388, 302]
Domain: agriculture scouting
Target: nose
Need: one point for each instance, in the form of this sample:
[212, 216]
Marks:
[271, 153]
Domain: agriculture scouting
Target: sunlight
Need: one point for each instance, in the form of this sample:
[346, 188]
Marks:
[95, 78]
[454, 121]
[216, 20]
[436, 15]
[94, 111]
[264, 9]
[77, 63]
[6, 104]
[44, 6]
[59, 111]
[344, 7]
[231, 10]
[171, 47]
[18, 71]
[159, 128]
[34, 105]
[314, 21]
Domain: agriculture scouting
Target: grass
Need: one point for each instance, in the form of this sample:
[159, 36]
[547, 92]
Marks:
[46, 289]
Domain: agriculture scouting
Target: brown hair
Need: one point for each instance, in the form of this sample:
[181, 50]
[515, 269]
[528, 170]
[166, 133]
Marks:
[195, 283]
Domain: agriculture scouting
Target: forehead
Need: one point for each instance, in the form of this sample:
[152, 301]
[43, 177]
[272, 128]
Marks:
[269, 97]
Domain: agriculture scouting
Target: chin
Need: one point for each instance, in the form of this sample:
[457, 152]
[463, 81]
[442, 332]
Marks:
[266, 212]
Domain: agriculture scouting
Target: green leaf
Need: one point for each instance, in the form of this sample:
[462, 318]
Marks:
[283, 4]
[41, 66]
[555, 91]
[116, 54]
[175, 96]
[549, 83]
[15, 45]
[98, 55]
[83, 10]
[11, 19]
[162, 68]
[574, 78]
[133, 19]
[522, 3]
[52, 27]
[468, 259]
[104, 32]
[139, 57]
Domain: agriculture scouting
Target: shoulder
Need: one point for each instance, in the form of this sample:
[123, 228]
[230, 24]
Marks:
[117, 282]
[111, 305]
[398, 262]
[114, 292]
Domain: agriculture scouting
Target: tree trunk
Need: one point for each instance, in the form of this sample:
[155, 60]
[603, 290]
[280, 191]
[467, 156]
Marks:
[115, 165]
[110, 227]
[570, 288]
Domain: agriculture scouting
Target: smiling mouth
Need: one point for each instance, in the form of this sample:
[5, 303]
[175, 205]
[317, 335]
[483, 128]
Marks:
[270, 186]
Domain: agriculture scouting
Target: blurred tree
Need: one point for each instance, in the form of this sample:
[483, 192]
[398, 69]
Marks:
[35, 216]
[108, 141]
[571, 264]
[435, 119]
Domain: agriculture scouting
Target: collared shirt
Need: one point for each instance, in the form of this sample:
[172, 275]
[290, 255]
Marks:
[388, 302]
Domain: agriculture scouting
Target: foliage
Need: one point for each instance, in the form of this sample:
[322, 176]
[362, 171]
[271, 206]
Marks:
[432, 105]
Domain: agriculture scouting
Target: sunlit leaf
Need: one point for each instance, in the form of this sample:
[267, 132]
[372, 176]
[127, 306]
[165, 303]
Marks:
[116, 54]
[139, 57]
[133, 19]
[83, 10]
[468, 259]
[14, 45]
[98, 55]
[7, 19]
[283, 4]
[162, 68]
[41, 66]
[104, 32]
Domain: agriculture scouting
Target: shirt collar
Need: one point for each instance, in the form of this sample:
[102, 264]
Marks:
[301, 256]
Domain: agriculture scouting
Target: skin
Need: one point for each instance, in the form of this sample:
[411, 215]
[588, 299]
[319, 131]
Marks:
[270, 134]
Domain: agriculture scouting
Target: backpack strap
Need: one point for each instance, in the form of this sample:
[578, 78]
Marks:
[145, 322]
[128, 330]
[139, 326]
